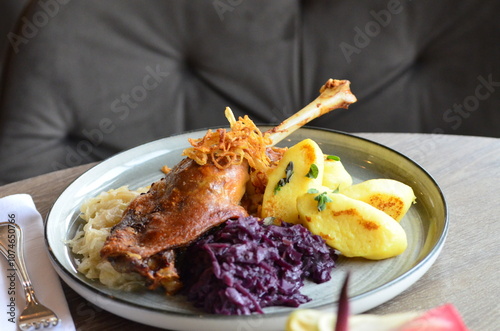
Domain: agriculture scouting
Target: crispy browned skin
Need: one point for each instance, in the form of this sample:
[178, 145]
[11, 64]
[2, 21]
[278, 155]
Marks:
[179, 208]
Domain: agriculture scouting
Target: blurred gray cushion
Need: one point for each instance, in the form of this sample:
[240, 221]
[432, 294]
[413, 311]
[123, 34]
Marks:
[10, 11]
[88, 79]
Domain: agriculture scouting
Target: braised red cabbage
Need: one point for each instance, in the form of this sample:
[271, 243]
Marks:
[246, 265]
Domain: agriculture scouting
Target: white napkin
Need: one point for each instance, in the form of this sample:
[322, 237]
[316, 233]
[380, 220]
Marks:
[21, 209]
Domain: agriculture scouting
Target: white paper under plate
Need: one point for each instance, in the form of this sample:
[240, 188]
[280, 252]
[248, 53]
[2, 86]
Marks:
[372, 282]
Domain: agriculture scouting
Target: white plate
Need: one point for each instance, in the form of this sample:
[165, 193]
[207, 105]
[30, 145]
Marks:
[372, 282]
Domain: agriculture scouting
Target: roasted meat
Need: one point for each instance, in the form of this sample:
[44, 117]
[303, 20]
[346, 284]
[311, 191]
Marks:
[187, 202]
[203, 191]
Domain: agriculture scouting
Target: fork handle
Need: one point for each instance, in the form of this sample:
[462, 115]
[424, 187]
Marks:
[11, 246]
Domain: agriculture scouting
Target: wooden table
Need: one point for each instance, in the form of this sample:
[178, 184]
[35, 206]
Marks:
[465, 274]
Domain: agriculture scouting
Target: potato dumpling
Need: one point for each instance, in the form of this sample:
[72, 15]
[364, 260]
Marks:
[392, 197]
[335, 176]
[300, 169]
[353, 227]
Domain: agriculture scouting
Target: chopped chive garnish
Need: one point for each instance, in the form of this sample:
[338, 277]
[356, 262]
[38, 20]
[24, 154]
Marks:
[313, 171]
[283, 181]
[322, 199]
[289, 171]
[333, 157]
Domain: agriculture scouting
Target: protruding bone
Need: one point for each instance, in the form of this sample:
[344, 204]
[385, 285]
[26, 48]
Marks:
[333, 95]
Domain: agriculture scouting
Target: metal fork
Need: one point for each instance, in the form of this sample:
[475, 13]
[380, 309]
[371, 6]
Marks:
[35, 315]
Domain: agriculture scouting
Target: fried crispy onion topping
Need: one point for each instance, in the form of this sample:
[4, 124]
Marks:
[243, 142]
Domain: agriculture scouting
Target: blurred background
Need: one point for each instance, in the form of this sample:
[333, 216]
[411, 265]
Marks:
[84, 80]
[10, 12]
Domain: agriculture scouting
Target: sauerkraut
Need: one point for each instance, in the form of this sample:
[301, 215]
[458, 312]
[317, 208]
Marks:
[100, 214]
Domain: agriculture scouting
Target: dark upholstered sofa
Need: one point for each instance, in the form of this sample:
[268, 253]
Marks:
[85, 79]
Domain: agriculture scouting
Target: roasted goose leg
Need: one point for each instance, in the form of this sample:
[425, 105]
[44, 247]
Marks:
[190, 200]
